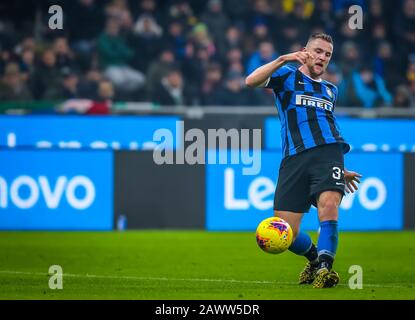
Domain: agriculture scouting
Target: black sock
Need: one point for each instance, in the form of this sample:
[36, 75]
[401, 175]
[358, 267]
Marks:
[312, 255]
[325, 261]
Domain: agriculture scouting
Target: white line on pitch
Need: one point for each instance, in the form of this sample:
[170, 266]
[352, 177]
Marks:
[390, 285]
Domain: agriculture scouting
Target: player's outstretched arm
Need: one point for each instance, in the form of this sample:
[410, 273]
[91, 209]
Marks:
[351, 178]
[259, 76]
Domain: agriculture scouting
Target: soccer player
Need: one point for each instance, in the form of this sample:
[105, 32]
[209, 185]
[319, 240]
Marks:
[312, 169]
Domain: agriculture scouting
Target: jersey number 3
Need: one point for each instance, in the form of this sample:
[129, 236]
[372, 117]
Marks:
[337, 173]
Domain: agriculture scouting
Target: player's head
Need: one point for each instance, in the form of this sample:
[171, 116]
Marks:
[320, 46]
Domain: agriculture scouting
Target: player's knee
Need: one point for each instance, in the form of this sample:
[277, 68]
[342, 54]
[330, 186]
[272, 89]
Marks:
[328, 204]
[328, 209]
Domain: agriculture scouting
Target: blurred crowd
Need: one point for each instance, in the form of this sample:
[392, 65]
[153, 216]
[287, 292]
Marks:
[197, 52]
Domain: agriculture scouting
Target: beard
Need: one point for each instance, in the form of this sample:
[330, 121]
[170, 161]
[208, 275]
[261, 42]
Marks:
[317, 70]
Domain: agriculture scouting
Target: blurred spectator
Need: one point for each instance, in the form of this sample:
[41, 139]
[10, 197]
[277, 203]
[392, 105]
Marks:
[410, 72]
[5, 58]
[28, 43]
[234, 55]
[112, 48]
[332, 74]
[233, 37]
[63, 54]
[171, 90]
[345, 33]
[412, 91]
[290, 6]
[387, 66]
[147, 7]
[350, 59]
[216, 21]
[266, 53]
[118, 10]
[294, 25]
[146, 41]
[85, 21]
[261, 14]
[290, 33]
[194, 69]
[147, 27]
[405, 27]
[410, 77]
[176, 40]
[157, 70]
[114, 55]
[67, 89]
[200, 38]
[101, 105]
[211, 83]
[377, 38]
[300, 16]
[349, 63]
[27, 64]
[260, 33]
[6, 35]
[46, 75]
[234, 92]
[88, 87]
[238, 10]
[232, 40]
[323, 16]
[342, 6]
[370, 89]
[296, 46]
[234, 62]
[13, 86]
[377, 14]
[403, 97]
[181, 11]
[236, 66]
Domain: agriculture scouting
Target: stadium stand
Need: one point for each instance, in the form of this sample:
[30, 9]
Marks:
[136, 49]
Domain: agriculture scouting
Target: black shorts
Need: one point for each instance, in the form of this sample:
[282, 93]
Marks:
[304, 176]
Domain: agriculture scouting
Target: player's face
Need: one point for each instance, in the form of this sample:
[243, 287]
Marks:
[322, 52]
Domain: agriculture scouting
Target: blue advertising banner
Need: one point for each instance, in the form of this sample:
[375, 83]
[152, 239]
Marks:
[56, 190]
[239, 202]
[79, 132]
[379, 134]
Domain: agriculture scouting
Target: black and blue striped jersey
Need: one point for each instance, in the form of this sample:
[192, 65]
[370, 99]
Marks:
[305, 108]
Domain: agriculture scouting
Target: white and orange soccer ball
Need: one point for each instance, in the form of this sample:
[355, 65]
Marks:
[274, 235]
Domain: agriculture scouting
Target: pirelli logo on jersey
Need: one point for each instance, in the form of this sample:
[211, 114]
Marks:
[309, 101]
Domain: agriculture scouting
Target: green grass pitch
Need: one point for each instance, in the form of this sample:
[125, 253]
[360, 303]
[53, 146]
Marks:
[195, 265]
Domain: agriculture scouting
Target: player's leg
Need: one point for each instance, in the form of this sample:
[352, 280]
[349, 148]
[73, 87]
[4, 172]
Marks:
[328, 203]
[328, 212]
[327, 189]
[293, 219]
[290, 202]
[302, 245]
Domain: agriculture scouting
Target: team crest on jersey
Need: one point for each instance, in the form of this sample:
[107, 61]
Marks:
[329, 92]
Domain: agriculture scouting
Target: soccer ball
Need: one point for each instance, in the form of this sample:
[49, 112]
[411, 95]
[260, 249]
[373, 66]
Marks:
[274, 235]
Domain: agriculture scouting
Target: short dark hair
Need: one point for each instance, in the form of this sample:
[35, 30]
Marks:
[322, 36]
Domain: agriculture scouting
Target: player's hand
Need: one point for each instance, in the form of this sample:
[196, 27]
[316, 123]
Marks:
[351, 179]
[299, 56]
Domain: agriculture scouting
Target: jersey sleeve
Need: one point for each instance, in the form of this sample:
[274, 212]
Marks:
[278, 78]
